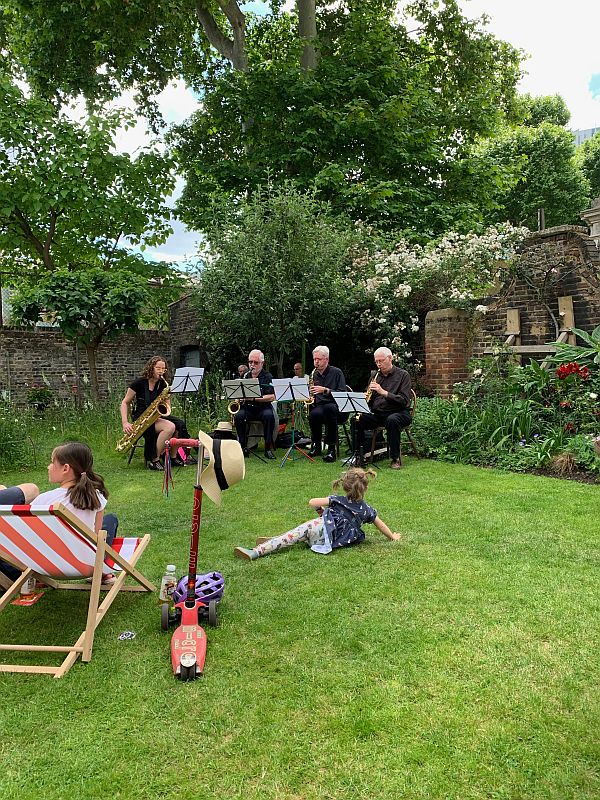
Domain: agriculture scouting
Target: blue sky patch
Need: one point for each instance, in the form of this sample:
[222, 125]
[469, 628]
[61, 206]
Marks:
[594, 85]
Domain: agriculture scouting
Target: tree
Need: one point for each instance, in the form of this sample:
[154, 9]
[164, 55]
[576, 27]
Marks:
[273, 276]
[547, 175]
[88, 306]
[102, 47]
[548, 108]
[67, 200]
[382, 127]
[377, 116]
[587, 157]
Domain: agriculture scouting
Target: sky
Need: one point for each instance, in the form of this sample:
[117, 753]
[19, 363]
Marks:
[560, 39]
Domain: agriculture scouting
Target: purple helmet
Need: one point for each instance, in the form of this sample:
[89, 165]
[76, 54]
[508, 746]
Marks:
[208, 587]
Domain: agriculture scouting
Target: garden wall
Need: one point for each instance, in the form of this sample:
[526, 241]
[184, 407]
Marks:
[557, 262]
[39, 355]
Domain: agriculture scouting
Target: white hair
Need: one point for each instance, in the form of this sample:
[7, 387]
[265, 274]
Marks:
[383, 351]
[324, 351]
[258, 353]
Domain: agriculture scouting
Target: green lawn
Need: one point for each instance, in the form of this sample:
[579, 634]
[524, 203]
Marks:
[461, 662]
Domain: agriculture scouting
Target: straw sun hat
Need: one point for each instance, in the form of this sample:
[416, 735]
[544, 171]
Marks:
[226, 465]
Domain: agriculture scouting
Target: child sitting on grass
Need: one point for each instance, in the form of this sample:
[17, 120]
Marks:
[339, 525]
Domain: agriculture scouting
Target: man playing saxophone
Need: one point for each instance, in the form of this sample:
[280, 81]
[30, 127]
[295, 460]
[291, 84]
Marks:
[141, 394]
[388, 396]
[260, 408]
[324, 380]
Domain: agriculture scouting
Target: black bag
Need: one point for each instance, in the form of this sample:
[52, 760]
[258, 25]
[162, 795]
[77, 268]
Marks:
[285, 440]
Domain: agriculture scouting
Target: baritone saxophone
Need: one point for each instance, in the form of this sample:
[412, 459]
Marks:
[158, 408]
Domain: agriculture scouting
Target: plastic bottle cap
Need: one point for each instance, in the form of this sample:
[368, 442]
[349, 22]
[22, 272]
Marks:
[171, 567]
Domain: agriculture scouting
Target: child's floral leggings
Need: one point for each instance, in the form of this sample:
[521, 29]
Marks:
[312, 532]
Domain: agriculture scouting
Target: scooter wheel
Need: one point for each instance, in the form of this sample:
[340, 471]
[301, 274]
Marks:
[213, 617]
[164, 617]
[187, 673]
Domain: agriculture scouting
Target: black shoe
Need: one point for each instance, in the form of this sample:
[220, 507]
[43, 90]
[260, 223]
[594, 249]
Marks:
[330, 457]
[156, 466]
[315, 450]
[191, 460]
[246, 452]
[178, 461]
[269, 454]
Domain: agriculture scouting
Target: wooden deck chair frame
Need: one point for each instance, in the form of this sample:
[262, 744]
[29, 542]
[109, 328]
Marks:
[51, 544]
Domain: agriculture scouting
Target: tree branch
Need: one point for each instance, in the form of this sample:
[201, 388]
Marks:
[234, 49]
[28, 233]
[49, 238]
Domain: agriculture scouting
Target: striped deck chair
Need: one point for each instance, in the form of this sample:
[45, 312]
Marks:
[54, 546]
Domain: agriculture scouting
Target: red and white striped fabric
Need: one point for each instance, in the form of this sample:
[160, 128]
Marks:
[46, 541]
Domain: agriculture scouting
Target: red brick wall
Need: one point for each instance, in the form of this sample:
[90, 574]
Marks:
[447, 349]
[452, 338]
[577, 259]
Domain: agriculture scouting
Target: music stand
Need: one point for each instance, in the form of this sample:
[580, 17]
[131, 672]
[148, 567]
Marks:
[353, 403]
[292, 390]
[241, 389]
[186, 380]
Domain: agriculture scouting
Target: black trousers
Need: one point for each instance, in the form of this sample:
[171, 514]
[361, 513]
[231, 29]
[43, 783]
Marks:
[324, 414]
[393, 423]
[252, 413]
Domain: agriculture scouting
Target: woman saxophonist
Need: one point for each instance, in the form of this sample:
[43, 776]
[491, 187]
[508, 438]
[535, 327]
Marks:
[142, 393]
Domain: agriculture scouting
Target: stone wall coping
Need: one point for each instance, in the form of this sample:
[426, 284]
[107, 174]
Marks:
[446, 313]
[548, 233]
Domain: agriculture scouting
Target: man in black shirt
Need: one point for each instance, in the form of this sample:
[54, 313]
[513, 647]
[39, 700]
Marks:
[324, 411]
[259, 409]
[389, 403]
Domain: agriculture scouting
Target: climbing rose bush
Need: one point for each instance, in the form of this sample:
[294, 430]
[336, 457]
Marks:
[400, 283]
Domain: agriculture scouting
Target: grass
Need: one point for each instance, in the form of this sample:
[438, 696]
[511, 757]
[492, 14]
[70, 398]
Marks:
[461, 662]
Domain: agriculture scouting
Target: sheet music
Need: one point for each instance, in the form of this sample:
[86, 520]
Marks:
[187, 379]
[351, 402]
[242, 388]
[287, 389]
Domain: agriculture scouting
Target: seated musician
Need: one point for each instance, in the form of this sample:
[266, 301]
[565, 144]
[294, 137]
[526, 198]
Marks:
[298, 371]
[142, 393]
[258, 409]
[390, 400]
[324, 411]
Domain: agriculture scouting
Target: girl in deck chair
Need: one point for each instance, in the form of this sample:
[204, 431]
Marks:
[80, 489]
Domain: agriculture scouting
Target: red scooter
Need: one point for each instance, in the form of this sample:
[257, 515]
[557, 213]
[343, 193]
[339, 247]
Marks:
[188, 645]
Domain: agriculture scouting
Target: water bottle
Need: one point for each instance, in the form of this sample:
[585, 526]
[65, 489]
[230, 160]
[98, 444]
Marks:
[167, 584]
[28, 588]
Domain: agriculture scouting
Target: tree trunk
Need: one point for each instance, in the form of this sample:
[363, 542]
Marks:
[279, 363]
[307, 30]
[91, 350]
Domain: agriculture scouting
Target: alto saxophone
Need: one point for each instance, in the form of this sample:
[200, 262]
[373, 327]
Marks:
[311, 386]
[158, 408]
